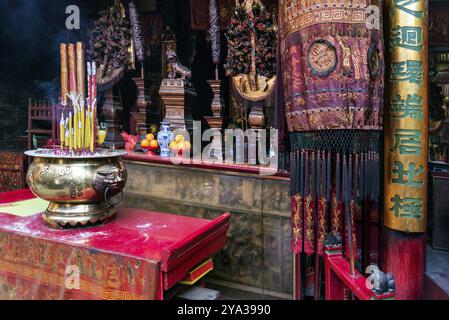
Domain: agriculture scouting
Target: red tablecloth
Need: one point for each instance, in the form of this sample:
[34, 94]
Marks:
[136, 256]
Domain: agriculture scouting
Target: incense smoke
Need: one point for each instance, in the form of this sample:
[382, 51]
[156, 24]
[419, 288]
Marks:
[30, 33]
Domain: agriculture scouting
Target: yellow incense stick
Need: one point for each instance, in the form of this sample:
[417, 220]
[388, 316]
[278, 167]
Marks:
[67, 138]
[62, 131]
[72, 137]
[87, 129]
[79, 129]
[92, 131]
[70, 132]
[82, 125]
[78, 125]
[86, 120]
[75, 127]
[80, 133]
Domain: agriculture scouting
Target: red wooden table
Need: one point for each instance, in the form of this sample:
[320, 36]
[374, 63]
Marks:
[139, 255]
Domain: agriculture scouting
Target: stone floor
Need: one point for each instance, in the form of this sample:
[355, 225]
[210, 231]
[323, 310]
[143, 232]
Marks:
[437, 261]
[437, 274]
[236, 294]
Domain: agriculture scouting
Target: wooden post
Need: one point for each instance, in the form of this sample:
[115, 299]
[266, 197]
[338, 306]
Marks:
[178, 96]
[112, 113]
[143, 103]
[406, 145]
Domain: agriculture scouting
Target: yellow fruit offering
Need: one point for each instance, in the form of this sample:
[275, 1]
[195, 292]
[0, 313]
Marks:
[173, 145]
[150, 137]
[187, 145]
[154, 144]
[181, 145]
[145, 143]
[179, 138]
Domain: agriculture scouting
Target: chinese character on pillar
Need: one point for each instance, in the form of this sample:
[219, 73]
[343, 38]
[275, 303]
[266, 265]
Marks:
[406, 131]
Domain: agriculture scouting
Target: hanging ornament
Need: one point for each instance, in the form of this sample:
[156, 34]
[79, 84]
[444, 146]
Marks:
[251, 59]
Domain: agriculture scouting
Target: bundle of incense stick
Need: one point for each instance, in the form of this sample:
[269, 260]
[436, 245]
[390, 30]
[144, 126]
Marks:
[73, 75]
[328, 191]
[78, 128]
[92, 100]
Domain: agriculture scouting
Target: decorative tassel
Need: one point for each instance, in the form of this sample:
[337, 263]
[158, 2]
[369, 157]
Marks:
[137, 32]
[337, 206]
[214, 32]
[333, 192]
[309, 245]
[322, 203]
[297, 173]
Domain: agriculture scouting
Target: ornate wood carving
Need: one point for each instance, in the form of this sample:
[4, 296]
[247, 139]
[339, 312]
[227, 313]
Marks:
[113, 111]
[178, 96]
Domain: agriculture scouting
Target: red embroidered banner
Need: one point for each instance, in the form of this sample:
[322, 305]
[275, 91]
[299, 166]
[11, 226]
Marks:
[297, 223]
[309, 225]
[322, 224]
[333, 66]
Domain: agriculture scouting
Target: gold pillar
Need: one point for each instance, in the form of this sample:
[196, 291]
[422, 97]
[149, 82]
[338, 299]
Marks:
[406, 120]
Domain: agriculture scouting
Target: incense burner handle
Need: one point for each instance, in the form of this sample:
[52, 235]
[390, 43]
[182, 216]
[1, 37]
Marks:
[109, 181]
[108, 200]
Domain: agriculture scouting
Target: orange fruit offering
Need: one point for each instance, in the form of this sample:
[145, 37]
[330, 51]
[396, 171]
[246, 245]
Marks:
[187, 145]
[145, 143]
[154, 144]
[179, 138]
[150, 137]
[173, 145]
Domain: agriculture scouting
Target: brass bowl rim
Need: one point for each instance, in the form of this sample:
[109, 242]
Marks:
[58, 154]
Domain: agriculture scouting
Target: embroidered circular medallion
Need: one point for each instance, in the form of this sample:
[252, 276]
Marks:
[373, 61]
[322, 58]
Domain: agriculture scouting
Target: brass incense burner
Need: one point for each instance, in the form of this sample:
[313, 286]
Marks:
[81, 188]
